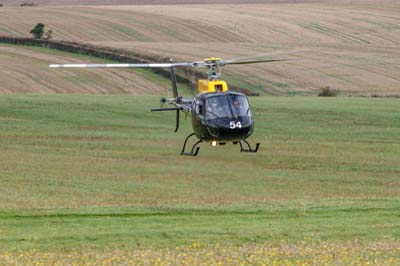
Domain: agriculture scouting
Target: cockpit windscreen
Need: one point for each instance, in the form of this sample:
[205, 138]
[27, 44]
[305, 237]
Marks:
[227, 106]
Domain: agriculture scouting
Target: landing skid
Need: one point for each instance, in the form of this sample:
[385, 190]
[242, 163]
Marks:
[249, 148]
[194, 150]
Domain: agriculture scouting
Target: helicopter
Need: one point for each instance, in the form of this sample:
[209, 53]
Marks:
[218, 114]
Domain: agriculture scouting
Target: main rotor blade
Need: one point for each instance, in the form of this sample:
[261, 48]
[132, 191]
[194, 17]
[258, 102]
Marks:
[156, 65]
[269, 55]
[234, 62]
[264, 57]
[248, 60]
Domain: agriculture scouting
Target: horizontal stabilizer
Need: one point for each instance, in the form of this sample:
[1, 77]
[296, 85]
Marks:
[165, 109]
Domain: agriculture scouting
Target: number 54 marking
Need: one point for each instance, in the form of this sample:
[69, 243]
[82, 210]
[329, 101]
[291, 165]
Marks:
[234, 125]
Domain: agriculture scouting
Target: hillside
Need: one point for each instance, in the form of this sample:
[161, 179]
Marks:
[352, 47]
[166, 2]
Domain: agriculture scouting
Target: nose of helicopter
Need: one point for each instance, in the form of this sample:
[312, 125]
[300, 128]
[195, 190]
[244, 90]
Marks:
[234, 132]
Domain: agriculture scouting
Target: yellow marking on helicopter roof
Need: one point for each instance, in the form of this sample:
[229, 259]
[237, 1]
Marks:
[205, 85]
[212, 59]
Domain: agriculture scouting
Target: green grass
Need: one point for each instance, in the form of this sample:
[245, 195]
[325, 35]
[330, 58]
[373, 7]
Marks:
[103, 172]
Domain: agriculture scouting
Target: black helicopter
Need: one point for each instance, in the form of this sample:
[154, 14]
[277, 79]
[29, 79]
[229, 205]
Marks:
[218, 114]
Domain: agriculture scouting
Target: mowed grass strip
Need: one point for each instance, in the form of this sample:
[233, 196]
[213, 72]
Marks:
[102, 171]
[170, 228]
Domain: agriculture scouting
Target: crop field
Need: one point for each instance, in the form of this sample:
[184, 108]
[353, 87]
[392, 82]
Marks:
[170, 2]
[97, 180]
[351, 46]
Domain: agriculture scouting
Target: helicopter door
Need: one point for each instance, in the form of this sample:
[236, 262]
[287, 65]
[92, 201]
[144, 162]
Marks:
[198, 117]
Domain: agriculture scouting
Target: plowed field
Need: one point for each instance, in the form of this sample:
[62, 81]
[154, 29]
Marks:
[353, 47]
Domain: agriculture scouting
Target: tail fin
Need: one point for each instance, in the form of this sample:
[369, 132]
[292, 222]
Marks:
[175, 93]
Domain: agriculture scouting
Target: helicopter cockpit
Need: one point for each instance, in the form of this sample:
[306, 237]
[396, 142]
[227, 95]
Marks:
[225, 115]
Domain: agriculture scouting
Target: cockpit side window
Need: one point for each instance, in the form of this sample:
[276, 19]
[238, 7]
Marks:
[199, 107]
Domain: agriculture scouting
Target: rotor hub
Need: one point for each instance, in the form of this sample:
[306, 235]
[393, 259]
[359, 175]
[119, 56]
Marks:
[214, 67]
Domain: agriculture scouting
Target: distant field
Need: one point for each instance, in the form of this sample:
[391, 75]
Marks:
[89, 179]
[351, 46]
[172, 2]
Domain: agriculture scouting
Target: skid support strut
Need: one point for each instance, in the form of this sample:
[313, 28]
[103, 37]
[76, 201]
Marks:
[194, 150]
[249, 148]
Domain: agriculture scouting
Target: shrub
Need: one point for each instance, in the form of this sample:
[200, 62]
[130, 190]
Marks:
[29, 4]
[384, 96]
[38, 31]
[327, 92]
[48, 35]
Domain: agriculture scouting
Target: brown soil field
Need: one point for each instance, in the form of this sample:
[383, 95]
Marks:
[349, 46]
[172, 2]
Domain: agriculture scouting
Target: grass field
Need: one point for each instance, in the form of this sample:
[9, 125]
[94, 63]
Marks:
[92, 180]
[351, 46]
